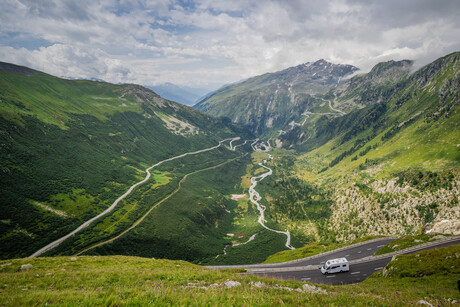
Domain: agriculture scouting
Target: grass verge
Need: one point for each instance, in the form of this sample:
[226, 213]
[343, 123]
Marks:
[311, 250]
[126, 281]
[408, 241]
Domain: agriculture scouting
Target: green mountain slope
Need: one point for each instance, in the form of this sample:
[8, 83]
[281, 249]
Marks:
[376, 86]
[391, 167]
[381, 84]
[271, 101]
[69, 148]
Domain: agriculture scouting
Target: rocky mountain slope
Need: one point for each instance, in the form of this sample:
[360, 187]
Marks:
[271, 101]
[69, 148]
[391, 166]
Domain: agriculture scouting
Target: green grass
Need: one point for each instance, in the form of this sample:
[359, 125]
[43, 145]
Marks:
[311, 249]
[192, 223]
[406, 242]
[128, 281]
[53, 100]
[76, 146]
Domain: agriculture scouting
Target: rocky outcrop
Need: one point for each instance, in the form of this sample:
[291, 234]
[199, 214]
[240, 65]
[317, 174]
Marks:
[386, 208]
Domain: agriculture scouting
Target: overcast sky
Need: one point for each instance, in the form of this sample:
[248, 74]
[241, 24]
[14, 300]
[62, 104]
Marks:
[207, 43]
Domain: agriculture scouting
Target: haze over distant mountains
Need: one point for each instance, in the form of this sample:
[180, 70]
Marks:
[182, 94]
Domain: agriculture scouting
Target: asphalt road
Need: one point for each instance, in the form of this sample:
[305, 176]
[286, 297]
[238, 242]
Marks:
[352, 253]
[359, 271]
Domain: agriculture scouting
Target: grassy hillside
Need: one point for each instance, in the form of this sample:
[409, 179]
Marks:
[69, 148]
[125, 281]
[393, 165]
[397, 162]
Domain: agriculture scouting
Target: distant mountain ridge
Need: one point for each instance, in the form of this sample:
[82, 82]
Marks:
[270, 101]
[184, 95]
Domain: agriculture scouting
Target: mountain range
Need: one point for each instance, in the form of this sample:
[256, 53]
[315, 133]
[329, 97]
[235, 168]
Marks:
[353, 155]
[271, 101]
[379, 149]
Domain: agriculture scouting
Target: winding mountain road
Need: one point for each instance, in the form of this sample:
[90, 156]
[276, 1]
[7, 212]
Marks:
[154, 206]
[362, 262]
[254, 197]
[115, 203]
[337, 110]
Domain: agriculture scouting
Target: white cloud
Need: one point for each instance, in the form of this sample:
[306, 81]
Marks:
[157, 41]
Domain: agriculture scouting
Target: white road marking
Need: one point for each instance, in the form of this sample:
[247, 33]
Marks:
[359, 252]
[355, 273]
[304, 279]
[330, 276]
[369, 249]
[381, 245]
[376, 269]
[322, 262]
[347, 255]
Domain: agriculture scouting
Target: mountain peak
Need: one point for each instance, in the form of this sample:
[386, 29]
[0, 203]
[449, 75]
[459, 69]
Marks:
[383, 66]
[321, 62]
[266, 102]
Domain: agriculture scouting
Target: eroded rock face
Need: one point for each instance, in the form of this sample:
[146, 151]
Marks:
[446, 227]
[387, 208]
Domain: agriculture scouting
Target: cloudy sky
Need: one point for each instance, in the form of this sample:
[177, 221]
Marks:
[207, 43]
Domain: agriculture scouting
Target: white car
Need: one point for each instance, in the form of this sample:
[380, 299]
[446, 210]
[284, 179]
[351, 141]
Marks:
[335, 266]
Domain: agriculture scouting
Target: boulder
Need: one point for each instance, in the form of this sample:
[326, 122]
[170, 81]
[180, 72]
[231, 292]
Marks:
[26, 267]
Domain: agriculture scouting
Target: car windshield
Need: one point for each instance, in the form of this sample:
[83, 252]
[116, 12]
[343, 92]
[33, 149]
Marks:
[325, 267]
